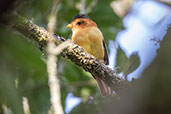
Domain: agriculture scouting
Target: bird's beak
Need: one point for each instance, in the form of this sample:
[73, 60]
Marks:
[69, 26]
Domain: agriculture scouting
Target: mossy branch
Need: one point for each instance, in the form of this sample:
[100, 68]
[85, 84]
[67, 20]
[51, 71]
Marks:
[74, 53]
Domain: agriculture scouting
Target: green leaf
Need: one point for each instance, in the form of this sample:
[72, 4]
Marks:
[121, 60]
[125, 64]
[132, 64]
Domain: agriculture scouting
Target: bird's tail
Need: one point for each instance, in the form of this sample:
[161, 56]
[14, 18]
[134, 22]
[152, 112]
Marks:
[105, 90]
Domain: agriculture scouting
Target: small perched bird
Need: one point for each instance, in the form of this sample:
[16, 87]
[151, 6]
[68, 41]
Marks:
[86, 34]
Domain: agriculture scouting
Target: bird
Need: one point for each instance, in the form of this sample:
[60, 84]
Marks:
[86, 34]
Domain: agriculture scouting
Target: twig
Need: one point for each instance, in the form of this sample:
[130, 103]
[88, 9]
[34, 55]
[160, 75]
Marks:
[52, 64]
[156, 41]
[62, 46]
[91, 6]
[54, 85]
[26, 106]
[167, 2]
[5, 109]
[52, 19]
[87, 9]
[54, 82]
[83, 7]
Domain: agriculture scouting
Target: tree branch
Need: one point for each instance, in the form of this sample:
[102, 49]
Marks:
[74, 53]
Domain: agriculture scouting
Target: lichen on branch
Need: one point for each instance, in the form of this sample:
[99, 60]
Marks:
[74, 53]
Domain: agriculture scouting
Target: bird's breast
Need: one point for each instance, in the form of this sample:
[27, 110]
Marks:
[91, 39]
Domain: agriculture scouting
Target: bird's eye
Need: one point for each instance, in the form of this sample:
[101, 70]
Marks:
[79, 23]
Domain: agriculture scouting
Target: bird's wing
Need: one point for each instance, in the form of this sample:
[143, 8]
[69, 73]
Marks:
[106, 59]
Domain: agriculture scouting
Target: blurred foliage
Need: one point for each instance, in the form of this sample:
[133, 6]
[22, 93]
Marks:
[93, 105]
[23, 71]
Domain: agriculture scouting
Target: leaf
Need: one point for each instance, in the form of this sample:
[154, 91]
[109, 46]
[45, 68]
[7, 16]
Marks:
[132, 64]
[121, 60]
[125, 64]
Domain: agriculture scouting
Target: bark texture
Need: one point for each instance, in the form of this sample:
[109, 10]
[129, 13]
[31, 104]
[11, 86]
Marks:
[74, 53]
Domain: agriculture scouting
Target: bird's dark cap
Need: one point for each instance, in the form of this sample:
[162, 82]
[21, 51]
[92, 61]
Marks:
[80, 16]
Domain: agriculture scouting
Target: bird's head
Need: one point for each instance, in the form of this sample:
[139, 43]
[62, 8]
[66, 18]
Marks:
[81, 21]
